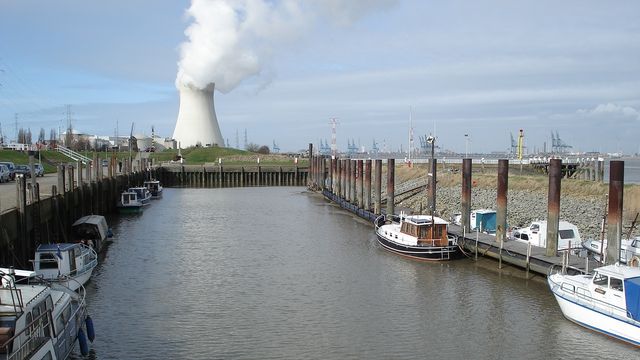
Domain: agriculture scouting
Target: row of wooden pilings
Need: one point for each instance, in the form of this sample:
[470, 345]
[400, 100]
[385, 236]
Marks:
[41, 218]
[357, 182]
[218, 176]
[350, 180]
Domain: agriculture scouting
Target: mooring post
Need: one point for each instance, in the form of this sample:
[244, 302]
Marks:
[70, 177]
[597, 171]
[61, 179]
[360, 177]
[367, 185]
[354, 181]
[343, 176]
[79, 173]
[309, 178]
[324, 172]
[21, 190]
[553, 209]
[96, 164]
[391, 176]
[377, 188]
[88, 171]
[338, 177]
[614, 215]
[347, 177]
[501, 200]
[465, 213]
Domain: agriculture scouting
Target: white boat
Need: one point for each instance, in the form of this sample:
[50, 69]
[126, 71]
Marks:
[607, 301]
[154, 188]
[41, 321]
[629, 250]
[130, 203]
[69, 264]
[91, 230]
[144, 195]
[536, 235]
[421, 237]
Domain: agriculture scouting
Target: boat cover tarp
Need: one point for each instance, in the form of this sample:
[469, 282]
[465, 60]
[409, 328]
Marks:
[632, 295]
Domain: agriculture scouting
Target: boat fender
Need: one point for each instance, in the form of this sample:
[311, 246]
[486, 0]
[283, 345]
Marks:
[109, 233]
[91, 333]
[635, 261]
[82, 340]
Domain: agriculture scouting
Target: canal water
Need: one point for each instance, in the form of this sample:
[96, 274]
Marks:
[279, 273]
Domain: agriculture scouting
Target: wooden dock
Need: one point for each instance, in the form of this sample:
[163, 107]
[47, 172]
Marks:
[515, 253]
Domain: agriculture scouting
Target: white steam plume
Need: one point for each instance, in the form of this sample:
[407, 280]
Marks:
[230, 40]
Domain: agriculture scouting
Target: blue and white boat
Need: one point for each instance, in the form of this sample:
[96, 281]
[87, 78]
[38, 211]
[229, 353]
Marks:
[154, 188]
[607, 301]
[70, 264]
[144, 195]
[42, 320]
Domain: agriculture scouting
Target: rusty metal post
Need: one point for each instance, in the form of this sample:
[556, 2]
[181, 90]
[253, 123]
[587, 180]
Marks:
[465, 212]
[377, 188]
[553, 208]
[360, 176]
[432, 187]
[391, 176]
[343, 178]
[310, 176]
[354, 194]
[338, 177]
[347, 182]
[501, 200]
[614, 216]
[367, 185]
[70, 177]
[323, 170]
[597, 171]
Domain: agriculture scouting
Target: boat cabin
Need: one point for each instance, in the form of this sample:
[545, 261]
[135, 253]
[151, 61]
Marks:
[425, 230]
[154, 187]
[129, 198]
[91, 230]
[53, 260]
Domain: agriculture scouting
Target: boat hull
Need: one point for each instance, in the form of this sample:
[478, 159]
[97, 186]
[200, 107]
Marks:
[130, 209]
[429, 253]
[591, 318]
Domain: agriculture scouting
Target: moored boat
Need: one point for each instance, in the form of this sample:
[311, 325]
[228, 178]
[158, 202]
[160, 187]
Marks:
[629, 250]
[130, 203]
[41, 321]
[607, 301]
[70, 264]
[154, 188]
[422, 237]
[144, 195]
[91, 230]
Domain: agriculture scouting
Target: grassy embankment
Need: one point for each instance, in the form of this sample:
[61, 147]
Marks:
[192, 156]
[529, 181]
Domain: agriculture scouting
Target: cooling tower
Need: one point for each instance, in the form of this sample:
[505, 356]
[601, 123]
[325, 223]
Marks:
[197, 122]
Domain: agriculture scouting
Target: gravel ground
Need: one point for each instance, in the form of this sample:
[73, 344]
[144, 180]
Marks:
[522, 207]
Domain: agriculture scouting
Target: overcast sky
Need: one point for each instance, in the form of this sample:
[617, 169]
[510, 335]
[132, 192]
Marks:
[483, 68]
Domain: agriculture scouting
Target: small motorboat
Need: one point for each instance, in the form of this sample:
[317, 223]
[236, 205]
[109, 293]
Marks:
[130, 203]
[154, 188]
[91, 230]
[607, 301]
[629, 250]
[41, 321]
[144, 195]
[70, 264]
[422, 237]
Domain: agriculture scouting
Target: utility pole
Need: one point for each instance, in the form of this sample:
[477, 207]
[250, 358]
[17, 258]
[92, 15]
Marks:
[16, 122]
[334, 146]
[246, 143]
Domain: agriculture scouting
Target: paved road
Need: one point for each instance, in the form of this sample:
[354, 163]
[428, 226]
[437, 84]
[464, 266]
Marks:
[8, 198]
